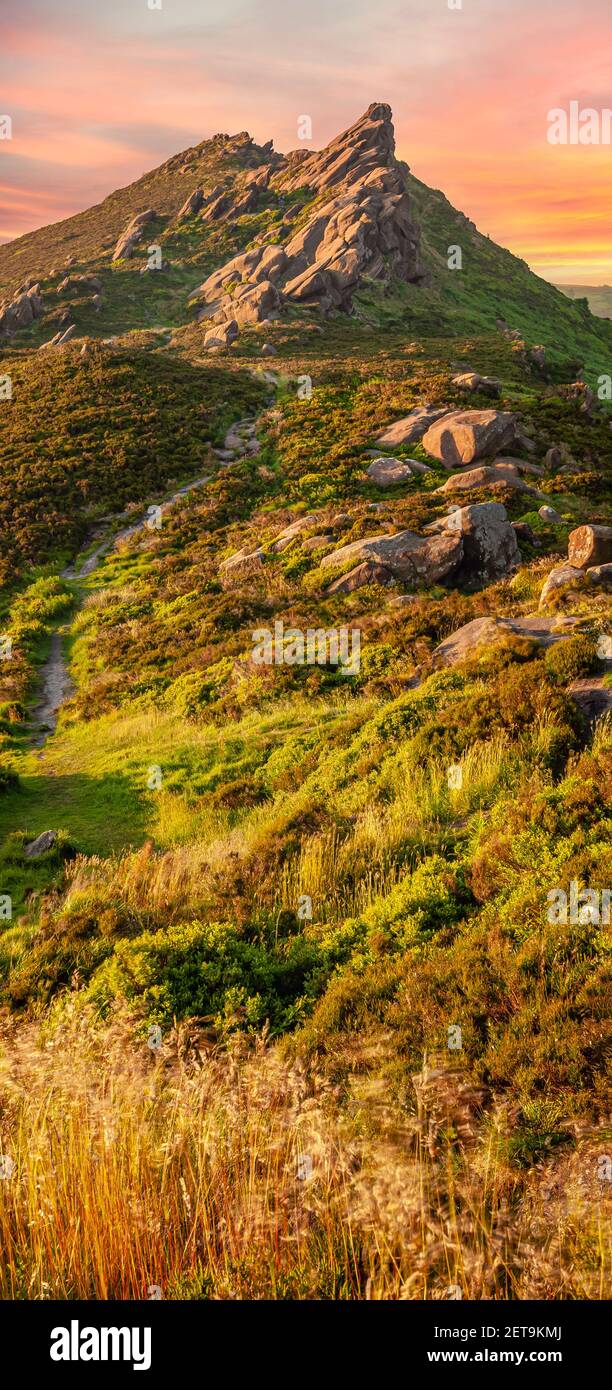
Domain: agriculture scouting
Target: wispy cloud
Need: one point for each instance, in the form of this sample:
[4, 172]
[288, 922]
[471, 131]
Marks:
[100, 92]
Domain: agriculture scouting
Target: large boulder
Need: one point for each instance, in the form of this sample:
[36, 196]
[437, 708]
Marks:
[489, 542]
[485, 477]
[600, 575]
[467, 435]
[411, 428]
[409, 557]
[254, 303]
[191, 205]
[590, 545]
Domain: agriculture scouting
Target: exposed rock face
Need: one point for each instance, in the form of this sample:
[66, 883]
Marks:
[411, 428]
[132, 235]
[489, 542]
[365, 229]
[21, 311]
[467, 435]
[191, 205]
[590, 545]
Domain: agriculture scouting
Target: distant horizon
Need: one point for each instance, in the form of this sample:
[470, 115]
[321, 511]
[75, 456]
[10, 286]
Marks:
[470, 89]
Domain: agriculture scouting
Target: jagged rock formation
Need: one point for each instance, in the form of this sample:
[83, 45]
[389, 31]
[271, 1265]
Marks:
[132, 235]
[365, 229]
[21, 311]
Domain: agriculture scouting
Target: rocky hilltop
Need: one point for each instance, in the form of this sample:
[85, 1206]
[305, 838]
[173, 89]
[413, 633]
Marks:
[234, 235]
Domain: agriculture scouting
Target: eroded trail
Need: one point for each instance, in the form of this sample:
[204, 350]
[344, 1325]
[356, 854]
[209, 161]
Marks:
[56, 685]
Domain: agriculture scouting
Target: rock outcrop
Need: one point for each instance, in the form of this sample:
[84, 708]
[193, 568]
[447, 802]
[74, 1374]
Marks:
[132, 235]
[21, 311]
[490, 549]
[365, 229]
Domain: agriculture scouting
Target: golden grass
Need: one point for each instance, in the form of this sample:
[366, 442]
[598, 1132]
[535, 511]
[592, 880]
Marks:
[244, 1175]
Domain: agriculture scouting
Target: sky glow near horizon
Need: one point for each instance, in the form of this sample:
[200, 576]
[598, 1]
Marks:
[101, 90]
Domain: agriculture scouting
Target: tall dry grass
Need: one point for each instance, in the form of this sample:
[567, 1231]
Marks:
[245, 1174]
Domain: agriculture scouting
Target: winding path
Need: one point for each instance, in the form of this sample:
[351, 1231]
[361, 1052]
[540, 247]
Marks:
[56, 685]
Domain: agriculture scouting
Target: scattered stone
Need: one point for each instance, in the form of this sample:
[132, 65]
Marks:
[387, 472]
[549, 514]
[317, 542]
[242, 563]
[268, 351]
[471, 381]
[553, 459]
[523, 532]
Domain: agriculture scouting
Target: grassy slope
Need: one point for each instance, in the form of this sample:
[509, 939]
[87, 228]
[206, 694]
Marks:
[493, 283]
[428, 905]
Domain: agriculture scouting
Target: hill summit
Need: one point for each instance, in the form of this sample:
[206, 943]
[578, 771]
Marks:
[238, 235]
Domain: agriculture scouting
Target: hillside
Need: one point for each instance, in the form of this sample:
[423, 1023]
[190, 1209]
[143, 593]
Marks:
[284, 997]
[250, 196]
[598, 297]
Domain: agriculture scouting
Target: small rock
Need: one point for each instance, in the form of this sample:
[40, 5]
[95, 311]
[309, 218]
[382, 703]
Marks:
[549, 514]
[560, 578]
[44, 842]
[387, 472]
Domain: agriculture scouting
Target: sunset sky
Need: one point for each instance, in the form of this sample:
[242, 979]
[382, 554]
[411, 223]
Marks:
[101, 90]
